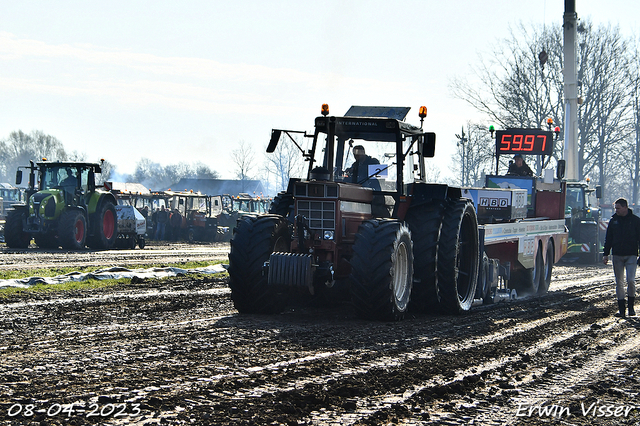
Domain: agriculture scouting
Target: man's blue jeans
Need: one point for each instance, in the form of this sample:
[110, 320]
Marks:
[620, 265]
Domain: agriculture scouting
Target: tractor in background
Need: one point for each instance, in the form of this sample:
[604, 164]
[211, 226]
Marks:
[64, 207]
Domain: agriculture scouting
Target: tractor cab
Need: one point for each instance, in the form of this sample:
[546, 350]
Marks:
[370, 151]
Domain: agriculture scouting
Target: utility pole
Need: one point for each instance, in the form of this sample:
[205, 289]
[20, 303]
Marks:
[570, 91]
[461, 141]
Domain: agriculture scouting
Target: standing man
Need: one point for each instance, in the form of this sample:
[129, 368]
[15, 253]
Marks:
[162, 218]
[176, 224]
[623, 238]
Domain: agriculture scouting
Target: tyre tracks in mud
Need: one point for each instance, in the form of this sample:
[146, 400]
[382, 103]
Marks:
[465, 362]
[154, 252]
[185, 354]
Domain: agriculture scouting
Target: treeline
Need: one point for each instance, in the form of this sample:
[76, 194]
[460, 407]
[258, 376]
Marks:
[20, 148]
[156, 176]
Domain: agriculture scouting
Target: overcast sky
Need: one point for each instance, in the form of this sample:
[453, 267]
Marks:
[187, 81]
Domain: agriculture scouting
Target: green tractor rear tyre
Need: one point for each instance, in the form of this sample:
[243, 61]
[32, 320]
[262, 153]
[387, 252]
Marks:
[104, 226]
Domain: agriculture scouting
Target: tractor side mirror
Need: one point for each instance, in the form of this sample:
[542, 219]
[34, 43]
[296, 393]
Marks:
[561, 168]
[275, 137]
[18, 177]
[429, 148]
[598, 191]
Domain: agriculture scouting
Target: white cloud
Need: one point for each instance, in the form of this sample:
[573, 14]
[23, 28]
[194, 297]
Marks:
[175, 82]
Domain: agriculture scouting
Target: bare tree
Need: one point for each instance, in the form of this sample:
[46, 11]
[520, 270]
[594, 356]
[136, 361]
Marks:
[243, 157]
[155, 176]
[19, 148]
[202, 171]
[631, 150]
[284, 163]
[518, 90]
[603, 119]
[514, 90]
[105, 175]
[474, 154]
[432, 172]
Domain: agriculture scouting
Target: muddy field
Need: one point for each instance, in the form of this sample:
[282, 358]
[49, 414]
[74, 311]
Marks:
[177, 352]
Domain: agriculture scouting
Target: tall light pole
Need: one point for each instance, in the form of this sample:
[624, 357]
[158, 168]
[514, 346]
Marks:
[461, 141]
[570, 91]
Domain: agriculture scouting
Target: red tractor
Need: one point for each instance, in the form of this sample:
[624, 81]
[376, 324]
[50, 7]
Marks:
[374, 227]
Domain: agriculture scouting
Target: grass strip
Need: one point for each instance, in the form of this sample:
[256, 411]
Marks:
[90, 283]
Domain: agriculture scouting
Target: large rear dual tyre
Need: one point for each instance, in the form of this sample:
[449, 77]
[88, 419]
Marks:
[254, 239]
[382, 270]
[424, 223]
[458, 257]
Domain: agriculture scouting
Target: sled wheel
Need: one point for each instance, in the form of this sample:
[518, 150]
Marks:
[487, 294]
[382, 270]
[458, 257]
[254, 239]
[548, 269]
[527, 281]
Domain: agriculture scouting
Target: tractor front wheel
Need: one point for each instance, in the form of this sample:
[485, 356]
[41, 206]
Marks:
[282, 205]
[14, 235]
[72, 230]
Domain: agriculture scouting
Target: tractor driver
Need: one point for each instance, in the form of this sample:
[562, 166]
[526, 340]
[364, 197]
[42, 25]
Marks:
[69, 183]
[359, 170]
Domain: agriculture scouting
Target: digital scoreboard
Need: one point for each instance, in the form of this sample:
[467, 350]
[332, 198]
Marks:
[524, 141]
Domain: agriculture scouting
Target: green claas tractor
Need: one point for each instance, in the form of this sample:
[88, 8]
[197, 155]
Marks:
[64, 208]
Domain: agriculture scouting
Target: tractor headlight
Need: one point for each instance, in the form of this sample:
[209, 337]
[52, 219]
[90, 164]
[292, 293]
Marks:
[328, 235]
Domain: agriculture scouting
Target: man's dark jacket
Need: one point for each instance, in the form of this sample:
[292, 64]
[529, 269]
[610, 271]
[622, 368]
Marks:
[523, 170]
[623, 235]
